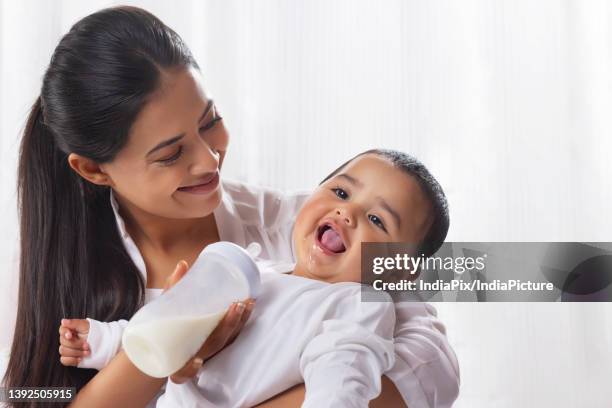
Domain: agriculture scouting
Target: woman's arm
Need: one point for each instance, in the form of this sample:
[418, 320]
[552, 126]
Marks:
[389, 396]
[121, 384]
[294, 397]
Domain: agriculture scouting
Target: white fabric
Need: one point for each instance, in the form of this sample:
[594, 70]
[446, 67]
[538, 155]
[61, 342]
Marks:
[426, 371]
[104, 340]
[302, 330]
[246, 214]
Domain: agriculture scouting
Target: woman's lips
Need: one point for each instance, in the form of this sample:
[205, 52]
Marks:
[203, 188]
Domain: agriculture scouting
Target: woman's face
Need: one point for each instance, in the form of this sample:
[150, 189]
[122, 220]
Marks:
[170, 165]
[370, 200]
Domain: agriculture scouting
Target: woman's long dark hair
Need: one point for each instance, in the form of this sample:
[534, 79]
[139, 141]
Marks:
[73, 262]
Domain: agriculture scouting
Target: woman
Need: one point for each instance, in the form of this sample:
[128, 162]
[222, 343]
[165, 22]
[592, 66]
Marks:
[123, 110]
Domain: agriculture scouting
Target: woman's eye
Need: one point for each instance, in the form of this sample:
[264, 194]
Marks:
[169, 160]
[343, 195]
[377, 221]
[210, 124]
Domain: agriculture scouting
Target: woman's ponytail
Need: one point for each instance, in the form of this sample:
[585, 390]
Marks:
[53, 245]
[73, 262]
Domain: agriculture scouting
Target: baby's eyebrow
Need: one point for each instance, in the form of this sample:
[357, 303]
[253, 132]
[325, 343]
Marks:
[351, 179]
[391, 211]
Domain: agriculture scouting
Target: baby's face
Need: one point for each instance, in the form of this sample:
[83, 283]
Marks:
[369, 200]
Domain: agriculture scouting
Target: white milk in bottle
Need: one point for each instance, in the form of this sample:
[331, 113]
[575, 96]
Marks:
[162, 336]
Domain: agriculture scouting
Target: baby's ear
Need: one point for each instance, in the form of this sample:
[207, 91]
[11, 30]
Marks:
[89, 170]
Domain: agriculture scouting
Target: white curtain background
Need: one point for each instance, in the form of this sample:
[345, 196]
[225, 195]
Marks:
[508, 102]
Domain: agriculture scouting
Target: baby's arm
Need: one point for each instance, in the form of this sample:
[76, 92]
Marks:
[88, 343]
[343, 364]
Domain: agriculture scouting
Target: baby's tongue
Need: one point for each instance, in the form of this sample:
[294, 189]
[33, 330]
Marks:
[332, 241]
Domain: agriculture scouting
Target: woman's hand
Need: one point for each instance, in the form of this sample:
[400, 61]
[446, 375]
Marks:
[223, 335]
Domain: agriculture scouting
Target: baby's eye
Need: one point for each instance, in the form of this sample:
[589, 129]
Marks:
[343, 195]
[377, 221]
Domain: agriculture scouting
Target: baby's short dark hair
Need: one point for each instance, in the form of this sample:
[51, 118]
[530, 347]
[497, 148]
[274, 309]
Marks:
[435, 236]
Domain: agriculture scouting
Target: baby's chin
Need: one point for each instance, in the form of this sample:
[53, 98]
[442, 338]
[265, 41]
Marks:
[307, 269]
[329, 273]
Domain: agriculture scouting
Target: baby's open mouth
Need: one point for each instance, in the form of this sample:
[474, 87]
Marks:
[330, 239]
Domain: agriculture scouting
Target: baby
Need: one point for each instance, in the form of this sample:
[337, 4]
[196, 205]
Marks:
[310, 325]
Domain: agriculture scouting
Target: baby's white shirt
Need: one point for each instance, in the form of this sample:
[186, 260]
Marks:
[301, 330]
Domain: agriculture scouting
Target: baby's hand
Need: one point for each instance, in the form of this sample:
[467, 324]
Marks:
[73, 341]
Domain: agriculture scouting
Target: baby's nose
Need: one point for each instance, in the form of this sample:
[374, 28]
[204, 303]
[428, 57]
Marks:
[345, 216]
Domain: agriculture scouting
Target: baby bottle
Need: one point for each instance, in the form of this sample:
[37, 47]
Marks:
[163, 335]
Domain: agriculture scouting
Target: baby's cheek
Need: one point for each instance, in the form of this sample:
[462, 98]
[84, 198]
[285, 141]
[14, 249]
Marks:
[304, 215]
[352, 266]
[307, 217]
[353, 261]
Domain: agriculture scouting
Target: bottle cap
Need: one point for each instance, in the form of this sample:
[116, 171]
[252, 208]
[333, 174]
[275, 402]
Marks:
[239, 257]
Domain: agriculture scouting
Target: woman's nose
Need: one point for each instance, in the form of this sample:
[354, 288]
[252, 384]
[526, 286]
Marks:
[345, 216]
[205, 159]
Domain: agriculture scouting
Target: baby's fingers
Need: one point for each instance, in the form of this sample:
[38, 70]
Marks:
[71, 352]
[80, 326]
[70, 361]
[75, 343]
[66, 333]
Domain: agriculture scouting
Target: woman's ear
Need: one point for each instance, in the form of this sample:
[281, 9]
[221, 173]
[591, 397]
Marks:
[89, 170]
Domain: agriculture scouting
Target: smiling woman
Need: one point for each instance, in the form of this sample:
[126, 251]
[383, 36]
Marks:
[154, 178]
[118, 84]
[174, 177]
[118, 184]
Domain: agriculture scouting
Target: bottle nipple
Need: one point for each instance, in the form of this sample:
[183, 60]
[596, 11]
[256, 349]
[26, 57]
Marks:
[254, 249]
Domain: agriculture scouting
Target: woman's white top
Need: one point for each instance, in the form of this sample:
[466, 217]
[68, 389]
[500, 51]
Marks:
[425, 372]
